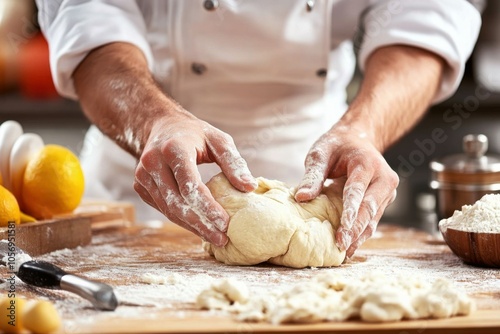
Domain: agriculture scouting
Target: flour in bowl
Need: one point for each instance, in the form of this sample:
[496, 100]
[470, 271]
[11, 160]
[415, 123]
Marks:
[481, 217]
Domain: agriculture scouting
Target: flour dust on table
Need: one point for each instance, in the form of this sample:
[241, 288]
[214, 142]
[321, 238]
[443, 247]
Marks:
[269, 225]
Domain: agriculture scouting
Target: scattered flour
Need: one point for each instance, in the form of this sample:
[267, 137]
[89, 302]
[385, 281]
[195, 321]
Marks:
[151, 278]
[331, 297]
[121, 260]
[481, 217]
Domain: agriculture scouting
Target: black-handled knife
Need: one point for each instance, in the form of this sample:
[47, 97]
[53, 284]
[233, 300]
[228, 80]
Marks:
[46, 275]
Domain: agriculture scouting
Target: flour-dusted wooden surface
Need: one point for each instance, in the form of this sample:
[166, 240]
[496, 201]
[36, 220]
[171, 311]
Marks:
[121, 256]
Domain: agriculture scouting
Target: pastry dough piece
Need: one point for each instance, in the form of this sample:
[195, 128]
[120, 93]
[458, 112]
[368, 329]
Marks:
[374, 297]
[269, 225]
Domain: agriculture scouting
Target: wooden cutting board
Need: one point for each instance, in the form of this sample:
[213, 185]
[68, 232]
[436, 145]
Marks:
[69, 230]
[49, 235]
[120, 256]
[482, 322]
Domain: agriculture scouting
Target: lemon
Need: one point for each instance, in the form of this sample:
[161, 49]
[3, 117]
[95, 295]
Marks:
[26, 218]
[52, 184]
[9, 208]
[11, 315]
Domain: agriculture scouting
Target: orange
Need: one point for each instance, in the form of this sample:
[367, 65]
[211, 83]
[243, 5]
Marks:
[53, 183]
[9, 208]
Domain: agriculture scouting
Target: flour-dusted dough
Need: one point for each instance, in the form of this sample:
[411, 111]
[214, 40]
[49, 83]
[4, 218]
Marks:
[222, 295]
[329, 297]
[269, 225]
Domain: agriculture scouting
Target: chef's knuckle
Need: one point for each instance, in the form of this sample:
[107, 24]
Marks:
[224, 139]
[171, 147]
[317, 155]
[392, 179]
[139, 171]
[138, 188]
[148, 160]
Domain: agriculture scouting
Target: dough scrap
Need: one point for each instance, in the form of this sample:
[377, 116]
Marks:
[269, 225]
[330, 297]
[222, 295]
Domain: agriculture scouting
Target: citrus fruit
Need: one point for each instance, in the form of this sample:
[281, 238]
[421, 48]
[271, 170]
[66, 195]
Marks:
[26, 218]
[52, 183]
[9, 208]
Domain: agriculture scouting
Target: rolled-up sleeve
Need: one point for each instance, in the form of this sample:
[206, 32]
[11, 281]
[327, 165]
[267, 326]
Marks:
[75, 27]
[448, 28]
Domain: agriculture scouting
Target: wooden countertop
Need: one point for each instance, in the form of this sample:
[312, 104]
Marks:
[121, 256]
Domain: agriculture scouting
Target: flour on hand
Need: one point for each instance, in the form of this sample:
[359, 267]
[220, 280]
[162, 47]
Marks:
[269, 225]
[329, 297]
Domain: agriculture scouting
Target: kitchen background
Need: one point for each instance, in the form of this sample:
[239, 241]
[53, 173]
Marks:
[27, 96]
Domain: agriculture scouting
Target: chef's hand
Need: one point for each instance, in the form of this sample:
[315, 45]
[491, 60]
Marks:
[369, 189]
[399, 84]
[119, 94]
[167, 176]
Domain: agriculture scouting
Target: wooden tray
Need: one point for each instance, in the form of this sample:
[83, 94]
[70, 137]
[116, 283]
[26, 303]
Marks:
[49, 235]
[70, 230]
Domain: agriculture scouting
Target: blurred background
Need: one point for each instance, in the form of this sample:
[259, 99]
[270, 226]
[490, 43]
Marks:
[28, 96]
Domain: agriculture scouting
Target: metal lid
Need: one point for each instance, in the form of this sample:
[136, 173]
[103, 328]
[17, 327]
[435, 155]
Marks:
[473, 160]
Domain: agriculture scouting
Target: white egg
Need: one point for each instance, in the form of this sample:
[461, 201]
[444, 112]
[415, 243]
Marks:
[23, 151]
[9, 132]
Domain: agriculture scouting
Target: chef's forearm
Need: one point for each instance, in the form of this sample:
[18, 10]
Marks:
[398, 86]
[119, 95]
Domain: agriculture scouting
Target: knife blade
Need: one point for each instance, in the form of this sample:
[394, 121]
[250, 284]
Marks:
[46, 275]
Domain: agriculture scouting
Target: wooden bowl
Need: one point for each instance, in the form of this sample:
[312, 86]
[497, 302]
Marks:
[478, 249]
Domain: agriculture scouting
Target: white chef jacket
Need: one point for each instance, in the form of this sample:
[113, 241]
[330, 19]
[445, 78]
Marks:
[272, 74]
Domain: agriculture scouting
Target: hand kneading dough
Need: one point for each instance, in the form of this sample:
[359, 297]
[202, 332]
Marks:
[269, 225]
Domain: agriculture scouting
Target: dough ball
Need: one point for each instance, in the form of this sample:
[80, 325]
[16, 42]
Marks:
[269, 225]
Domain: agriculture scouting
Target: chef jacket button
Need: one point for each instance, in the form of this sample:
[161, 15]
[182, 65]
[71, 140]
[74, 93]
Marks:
[309, 5]
[211, 4]
[321, 72]
[198, 68]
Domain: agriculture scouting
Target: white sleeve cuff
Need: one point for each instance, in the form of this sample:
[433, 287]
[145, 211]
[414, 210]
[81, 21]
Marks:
[81, 26]
[448, 28]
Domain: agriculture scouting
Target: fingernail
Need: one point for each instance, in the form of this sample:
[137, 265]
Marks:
[250, 180]
[303, 194]
[219, 239]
